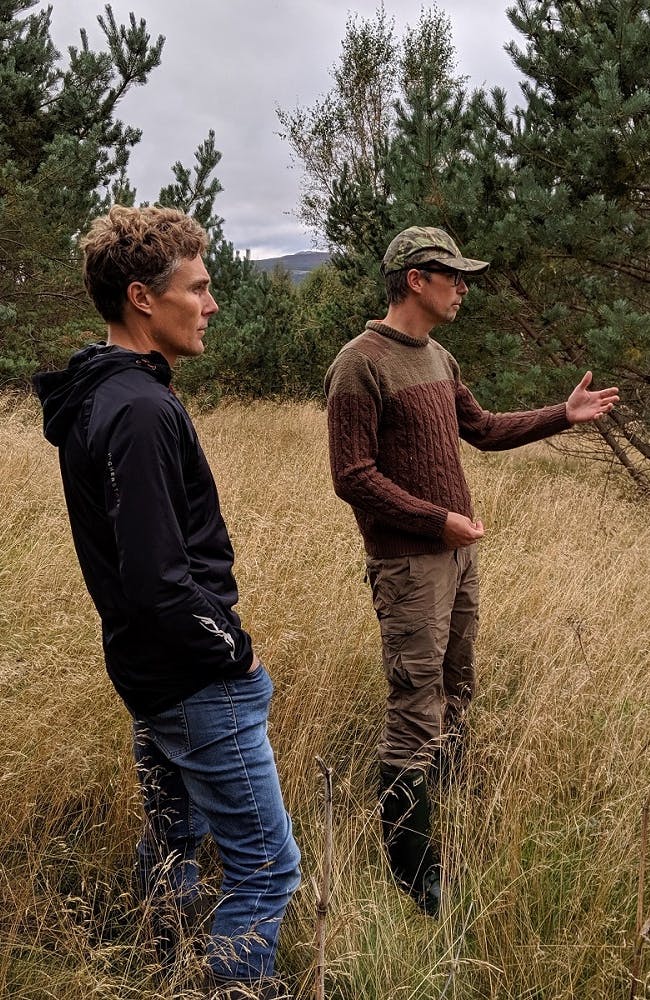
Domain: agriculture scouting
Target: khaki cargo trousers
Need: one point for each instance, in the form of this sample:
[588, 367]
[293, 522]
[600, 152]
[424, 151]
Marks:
[427, 606]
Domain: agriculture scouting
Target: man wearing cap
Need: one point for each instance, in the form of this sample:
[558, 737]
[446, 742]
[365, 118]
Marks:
[396, 409]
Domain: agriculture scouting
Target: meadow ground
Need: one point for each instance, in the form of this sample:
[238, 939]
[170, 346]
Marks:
[542, 841]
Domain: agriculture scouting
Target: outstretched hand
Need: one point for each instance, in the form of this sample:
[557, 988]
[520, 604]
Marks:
[583, 405]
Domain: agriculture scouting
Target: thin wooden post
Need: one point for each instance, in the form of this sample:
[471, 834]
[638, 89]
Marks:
[323, 896]
[642, 929]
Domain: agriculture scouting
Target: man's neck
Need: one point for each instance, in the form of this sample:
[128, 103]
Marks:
[408, 319]
[130, 337]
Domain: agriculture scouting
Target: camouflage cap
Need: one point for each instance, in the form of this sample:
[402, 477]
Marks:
[421, 244]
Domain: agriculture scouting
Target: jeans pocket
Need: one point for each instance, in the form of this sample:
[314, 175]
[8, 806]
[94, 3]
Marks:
[168, 730]
[258, 684]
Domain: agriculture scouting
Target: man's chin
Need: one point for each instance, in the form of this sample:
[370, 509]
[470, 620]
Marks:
[191, 352]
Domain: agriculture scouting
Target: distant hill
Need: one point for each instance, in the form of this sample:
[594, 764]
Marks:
[297, 264]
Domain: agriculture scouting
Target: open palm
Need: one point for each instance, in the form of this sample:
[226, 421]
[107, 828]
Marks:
[583, 405]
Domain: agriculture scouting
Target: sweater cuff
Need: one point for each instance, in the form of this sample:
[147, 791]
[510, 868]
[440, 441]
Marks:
[558, 418]
[439, 518]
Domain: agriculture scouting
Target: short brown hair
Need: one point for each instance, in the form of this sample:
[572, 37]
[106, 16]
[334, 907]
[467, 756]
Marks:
[136, 244]
[397, 287]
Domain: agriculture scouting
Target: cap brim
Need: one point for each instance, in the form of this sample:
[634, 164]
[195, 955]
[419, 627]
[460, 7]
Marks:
[466, 264]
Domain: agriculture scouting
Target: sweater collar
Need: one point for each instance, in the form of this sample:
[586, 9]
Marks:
[389, 331]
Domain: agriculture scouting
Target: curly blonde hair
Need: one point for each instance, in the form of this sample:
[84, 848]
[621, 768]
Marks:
[136, 244]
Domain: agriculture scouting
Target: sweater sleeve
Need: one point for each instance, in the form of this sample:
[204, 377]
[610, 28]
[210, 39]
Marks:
[354, 409]
[498, 431]
[147, 505]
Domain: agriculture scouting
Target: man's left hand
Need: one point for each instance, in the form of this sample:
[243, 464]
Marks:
[583, 405]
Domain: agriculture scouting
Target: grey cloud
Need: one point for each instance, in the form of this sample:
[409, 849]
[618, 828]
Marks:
[228, 66]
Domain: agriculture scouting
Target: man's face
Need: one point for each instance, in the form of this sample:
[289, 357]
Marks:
[179, 316]
[440, 297]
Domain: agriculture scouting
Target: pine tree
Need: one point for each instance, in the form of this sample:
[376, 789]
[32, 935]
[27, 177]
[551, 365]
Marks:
[355, 193]
[243, 349]
[342, 142]
[555, 194]
[63, 159]
[570, 237]
[195, 189]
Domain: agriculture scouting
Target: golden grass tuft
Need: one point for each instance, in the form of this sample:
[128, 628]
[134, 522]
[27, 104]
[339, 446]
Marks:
[542, 838]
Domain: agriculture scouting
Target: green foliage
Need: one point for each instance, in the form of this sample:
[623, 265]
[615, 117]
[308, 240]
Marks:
[63, 158]
[572, 244]
[348, 127]
[269, 338]
[342, 141]
[272, 338]
[194, 192]
[554, 194]
[325, 319]
[346, 145]
[245, 349]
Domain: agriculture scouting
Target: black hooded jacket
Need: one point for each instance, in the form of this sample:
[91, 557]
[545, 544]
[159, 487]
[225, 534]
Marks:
[146, 523]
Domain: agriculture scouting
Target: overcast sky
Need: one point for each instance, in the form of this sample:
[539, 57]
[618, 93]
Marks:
[228, 65]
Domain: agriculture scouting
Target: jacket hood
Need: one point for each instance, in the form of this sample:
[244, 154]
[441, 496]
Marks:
[62, 392]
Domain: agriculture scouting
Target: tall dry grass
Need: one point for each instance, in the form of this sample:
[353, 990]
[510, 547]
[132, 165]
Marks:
[541, 840]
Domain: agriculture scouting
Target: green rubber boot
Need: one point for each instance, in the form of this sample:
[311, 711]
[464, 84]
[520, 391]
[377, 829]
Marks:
[405, 823]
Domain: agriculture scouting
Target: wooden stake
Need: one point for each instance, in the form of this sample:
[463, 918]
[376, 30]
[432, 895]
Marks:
[323, 897]
[642, 929]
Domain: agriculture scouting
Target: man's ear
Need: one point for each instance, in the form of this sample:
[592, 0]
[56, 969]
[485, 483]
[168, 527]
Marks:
[414, 280]
[139, 296]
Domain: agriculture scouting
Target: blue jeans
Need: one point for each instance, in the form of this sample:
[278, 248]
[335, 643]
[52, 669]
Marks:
[206, 766]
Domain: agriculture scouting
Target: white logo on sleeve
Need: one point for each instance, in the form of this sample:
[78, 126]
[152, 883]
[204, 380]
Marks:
[211, 626]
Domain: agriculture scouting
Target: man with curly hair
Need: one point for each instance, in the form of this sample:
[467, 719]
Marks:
[157, 561]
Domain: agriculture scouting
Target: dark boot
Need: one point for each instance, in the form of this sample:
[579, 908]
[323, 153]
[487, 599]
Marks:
[448, 764]
[405, 822]
[173, 922]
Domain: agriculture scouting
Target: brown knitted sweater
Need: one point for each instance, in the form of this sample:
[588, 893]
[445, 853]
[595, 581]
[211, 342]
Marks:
[396, 409]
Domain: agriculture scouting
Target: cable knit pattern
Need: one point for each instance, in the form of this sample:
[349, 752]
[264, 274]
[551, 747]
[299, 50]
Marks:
[396, 409]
